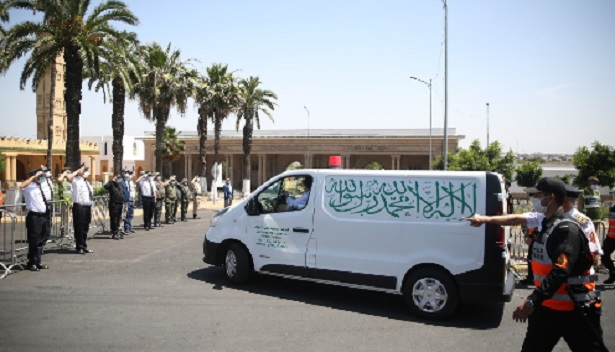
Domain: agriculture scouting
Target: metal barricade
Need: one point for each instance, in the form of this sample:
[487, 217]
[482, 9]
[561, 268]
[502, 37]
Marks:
[100, 215]
[14, 242]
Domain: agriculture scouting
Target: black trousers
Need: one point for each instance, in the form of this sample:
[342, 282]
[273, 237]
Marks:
[546, 326]
[608, 247]
[149, 206]
[36, 227]
[82, 216]
[115, 215]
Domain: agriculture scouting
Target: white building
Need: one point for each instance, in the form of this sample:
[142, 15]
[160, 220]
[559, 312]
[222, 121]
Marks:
[134, 154]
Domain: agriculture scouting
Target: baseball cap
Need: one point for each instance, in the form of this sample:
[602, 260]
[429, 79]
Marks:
[593, 178]
[552, 185]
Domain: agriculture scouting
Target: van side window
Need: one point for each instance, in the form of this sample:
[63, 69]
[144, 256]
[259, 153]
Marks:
[287, 194]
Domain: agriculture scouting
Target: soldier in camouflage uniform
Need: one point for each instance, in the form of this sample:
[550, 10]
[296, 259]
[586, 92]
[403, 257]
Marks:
[186, 197]
[160, 196]
[170, 200]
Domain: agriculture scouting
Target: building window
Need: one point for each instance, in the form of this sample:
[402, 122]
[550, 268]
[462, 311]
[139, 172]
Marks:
[105, 148]
[134, 148]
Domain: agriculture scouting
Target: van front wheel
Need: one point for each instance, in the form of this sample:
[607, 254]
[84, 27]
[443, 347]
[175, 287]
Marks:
[237, 263]
[431, 294]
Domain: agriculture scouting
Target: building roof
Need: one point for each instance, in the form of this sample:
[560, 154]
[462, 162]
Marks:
[321, 133]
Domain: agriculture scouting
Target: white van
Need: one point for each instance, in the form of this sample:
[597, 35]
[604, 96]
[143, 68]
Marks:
[394, 231]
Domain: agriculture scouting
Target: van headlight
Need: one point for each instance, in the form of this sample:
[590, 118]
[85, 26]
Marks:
[214, 219]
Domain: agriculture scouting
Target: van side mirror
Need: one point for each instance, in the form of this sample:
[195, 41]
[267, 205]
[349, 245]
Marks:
[251, 207]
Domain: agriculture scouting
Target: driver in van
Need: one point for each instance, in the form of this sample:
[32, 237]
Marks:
[301, 202]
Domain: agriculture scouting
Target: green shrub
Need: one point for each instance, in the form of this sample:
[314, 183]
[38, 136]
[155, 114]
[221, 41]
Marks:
[100, 191]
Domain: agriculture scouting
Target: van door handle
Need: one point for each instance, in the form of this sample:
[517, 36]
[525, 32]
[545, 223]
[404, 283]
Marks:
[300, 229]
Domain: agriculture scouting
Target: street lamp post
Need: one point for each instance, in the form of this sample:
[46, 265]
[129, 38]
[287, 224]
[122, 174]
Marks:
[445, 85]
[428, 84]
[308, 136]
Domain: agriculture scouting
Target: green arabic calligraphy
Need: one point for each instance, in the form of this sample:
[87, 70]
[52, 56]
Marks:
[421, 199]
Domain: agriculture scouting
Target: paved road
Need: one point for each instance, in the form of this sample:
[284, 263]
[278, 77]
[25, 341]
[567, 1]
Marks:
[152, 292]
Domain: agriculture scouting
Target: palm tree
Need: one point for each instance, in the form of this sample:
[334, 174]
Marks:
[173, 147]
[224, 98]
[120, 68]
[204, 99]
[167, 82]
[67, 28]
[253, 100]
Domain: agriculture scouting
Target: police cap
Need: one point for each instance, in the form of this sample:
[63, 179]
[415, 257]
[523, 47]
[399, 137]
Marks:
[572, 191]
[554, 186]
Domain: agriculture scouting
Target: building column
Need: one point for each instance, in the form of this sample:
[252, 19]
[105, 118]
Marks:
[14, 168]
[188, 166]
[265, 173]
[395, 162]
[345, 161]
[7, 167]
[93, 167]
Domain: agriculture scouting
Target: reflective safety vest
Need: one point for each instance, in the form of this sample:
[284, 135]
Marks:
[611, 233]
[542, 266]
[591, 198]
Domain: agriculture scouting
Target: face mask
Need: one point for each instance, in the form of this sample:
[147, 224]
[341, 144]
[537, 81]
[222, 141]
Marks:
[158, 179]
[538, 207]
[127, 176]
[48, 174]
[594, 187]
[86, 174]
[42, 179]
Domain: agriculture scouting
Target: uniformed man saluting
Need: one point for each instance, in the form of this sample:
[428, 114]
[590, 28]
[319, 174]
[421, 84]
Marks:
[37, 194]
[564, 303]
[83, 198]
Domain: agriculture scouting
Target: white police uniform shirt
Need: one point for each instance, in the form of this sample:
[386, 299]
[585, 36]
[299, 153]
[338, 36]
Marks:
[587, 225]
[534, 220]
[148, 188]
[34, 197]
[82, 191]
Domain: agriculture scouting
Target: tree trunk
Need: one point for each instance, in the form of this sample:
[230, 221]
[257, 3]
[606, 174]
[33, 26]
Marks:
[160, 123]
[52, 99]
[202, 130]
[117, 123]
[72, 96]
[248, 130]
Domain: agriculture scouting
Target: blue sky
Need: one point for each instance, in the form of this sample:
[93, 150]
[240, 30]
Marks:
[545, 67]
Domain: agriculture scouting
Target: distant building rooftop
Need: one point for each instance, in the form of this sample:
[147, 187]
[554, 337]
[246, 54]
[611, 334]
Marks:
[321, 133]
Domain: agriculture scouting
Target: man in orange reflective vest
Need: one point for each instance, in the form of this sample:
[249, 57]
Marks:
[564, 303]
[609, 246]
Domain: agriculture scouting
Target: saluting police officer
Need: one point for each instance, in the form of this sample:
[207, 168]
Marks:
[116, 202]
[83, 198]
[563, 304]
[148, 193]
[37, 195]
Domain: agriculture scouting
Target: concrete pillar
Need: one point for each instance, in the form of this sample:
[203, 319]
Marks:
[345, 161]
[14, 167]
[93, 167]
[188, 163]
[265, 173]
[7, 167]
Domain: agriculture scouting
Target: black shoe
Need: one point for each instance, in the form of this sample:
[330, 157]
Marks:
[610, 280]
[132, 231]
[121, 236]
[42, 266]
[85, 250]
[194, 216]
[184, 220]
[147, 229]
[80, 251]
[160, 225]
[32, 267]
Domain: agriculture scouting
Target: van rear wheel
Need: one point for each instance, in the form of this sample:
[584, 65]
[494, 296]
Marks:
[431, 293]
[237, 263]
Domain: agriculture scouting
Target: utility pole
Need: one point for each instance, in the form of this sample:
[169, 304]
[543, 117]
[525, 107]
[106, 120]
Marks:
[308, 137]
[487, 125]
[445, 85]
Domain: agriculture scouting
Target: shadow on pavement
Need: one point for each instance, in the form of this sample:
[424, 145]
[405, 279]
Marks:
[385, 305]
